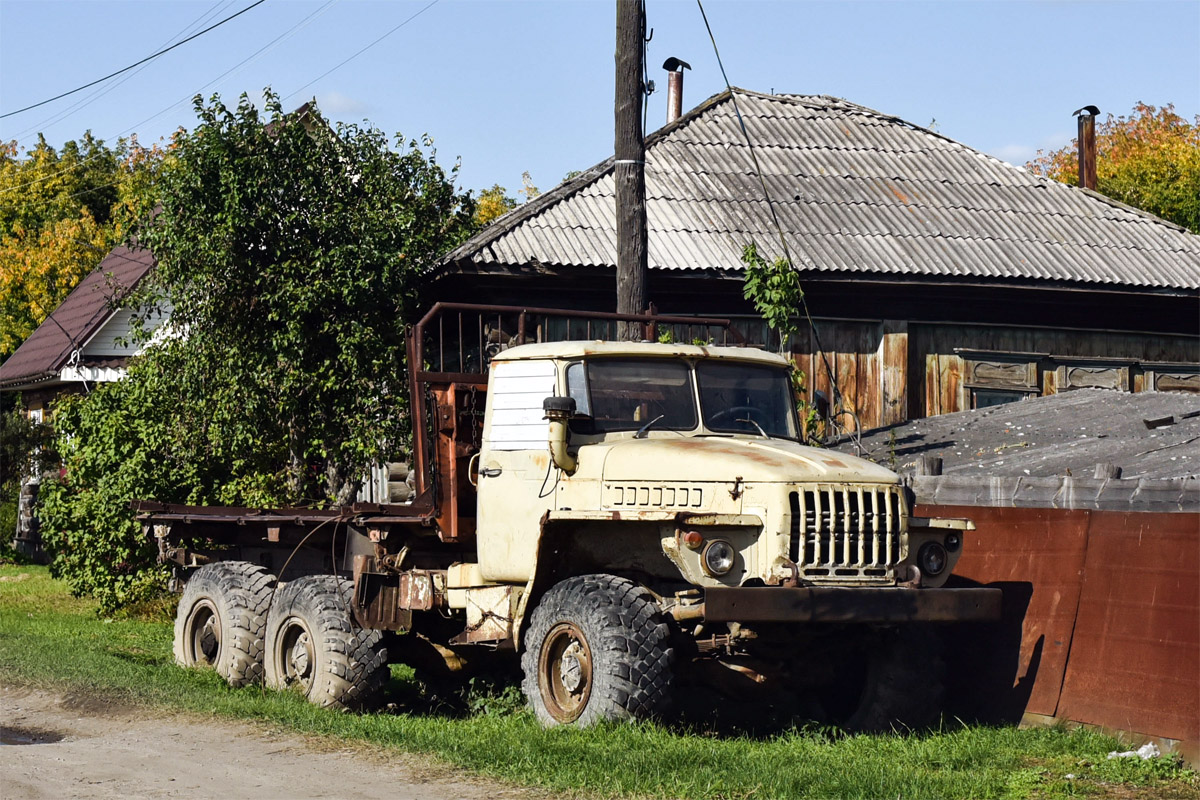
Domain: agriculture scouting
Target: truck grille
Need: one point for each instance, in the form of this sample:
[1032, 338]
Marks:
[848, 531]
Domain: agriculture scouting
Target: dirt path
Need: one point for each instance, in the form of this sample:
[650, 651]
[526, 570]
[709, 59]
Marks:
[54, 746]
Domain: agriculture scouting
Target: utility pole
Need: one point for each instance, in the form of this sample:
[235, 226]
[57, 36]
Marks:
[630, 171]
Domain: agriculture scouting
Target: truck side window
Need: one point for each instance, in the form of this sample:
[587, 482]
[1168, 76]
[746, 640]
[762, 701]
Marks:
[577, 388]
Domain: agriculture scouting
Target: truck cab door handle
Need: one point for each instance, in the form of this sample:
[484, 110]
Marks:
[490, 472]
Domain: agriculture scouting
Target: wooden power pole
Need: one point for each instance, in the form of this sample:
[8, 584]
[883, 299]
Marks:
[630, 171]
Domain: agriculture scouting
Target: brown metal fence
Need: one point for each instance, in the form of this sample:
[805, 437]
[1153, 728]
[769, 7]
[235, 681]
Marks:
[1101, 620]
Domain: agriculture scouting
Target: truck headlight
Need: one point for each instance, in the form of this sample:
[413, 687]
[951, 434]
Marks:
[931, 558]
[719, 557]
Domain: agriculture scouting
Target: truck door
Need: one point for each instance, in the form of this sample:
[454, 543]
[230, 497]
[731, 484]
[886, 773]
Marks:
[515, 480]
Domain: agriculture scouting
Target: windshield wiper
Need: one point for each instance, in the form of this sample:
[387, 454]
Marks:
[641, 432]
[755, 424]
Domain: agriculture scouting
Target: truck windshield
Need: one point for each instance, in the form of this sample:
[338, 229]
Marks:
[621, 395]
[741, 398]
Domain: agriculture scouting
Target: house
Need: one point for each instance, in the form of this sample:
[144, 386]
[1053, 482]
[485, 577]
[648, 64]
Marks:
[86, 340]
[940, 279]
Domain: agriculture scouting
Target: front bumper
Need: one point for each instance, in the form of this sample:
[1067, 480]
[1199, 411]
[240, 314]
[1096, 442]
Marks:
[847, 604]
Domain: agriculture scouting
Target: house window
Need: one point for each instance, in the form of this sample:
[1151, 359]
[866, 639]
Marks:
[35, 415]
[986, 398]
[995, 377]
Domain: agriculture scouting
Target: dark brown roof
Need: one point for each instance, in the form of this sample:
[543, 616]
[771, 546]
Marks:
[85, 310]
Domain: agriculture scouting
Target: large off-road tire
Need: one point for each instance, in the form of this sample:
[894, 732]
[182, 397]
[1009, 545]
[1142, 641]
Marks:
[904, 683]
[597, 648]
[221, 618]
[313, 647]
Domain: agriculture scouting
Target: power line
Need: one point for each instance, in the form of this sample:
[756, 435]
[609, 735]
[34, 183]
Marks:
[143, 61]
[365, 49]
[59, 116]
[787, 254]
[270, 45]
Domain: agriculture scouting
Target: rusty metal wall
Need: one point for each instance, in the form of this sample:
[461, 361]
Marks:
[1102, 618]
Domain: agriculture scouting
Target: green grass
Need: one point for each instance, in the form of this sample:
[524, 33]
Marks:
[50, 639]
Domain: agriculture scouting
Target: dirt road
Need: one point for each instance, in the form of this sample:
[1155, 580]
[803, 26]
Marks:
[53, 746]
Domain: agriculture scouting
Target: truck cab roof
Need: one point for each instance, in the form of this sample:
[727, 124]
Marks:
[581, 349]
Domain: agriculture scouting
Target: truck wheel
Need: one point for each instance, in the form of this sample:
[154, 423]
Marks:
[221, 618]
[313, 648]
[597, 648]
[904, 683]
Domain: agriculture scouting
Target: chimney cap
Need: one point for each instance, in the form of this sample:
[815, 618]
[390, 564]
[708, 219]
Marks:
[1091, 110]
[673, 64]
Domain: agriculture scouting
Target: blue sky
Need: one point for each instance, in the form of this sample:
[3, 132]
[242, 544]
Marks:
[515, 85]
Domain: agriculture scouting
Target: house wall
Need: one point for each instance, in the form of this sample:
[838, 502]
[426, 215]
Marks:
[116, 336]
[889, 371]
[907, 350]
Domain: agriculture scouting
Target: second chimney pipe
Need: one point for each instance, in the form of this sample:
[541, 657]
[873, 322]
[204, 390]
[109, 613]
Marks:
[1087, 146]
[674, 68]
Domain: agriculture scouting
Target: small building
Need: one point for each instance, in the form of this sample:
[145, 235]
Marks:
[85, 341]
[940, 279]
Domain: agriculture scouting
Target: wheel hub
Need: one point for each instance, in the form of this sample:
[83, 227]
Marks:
[203, 634]
[565, 672]
[210, 640]
[570, 669]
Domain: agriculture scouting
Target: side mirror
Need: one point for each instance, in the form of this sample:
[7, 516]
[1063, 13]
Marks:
[821, 403]
[559, 411]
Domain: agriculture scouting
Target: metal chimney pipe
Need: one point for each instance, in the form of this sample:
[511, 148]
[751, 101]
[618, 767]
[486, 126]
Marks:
[1087, 146]
[675, 68]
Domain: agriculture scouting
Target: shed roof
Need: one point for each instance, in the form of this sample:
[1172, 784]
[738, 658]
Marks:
[77, 319]
[856, 191]
[1065, 434]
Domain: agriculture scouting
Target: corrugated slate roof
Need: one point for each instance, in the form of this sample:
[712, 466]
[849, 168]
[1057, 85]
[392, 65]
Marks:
[88, 307]
[856, 191]
[1060, 434]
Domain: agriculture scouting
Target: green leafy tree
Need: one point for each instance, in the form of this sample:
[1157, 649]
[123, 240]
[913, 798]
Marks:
[1149, 160]
[290, 254]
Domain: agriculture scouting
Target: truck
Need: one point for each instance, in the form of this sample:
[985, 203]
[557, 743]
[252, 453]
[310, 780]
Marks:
[637, 523]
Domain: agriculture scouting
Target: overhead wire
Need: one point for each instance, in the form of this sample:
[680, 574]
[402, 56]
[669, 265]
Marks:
[787, 254]
[265, 48]
[346, 61]
[53, 119]
[136, 63]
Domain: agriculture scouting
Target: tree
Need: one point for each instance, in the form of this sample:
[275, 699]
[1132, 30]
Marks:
[1149, 160]
[774, 288]
[290, 254]
[492, 204]
[495, 202]
[60, 214]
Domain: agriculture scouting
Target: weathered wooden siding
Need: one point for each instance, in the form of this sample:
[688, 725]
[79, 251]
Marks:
[1059, 360]
[889, 371]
